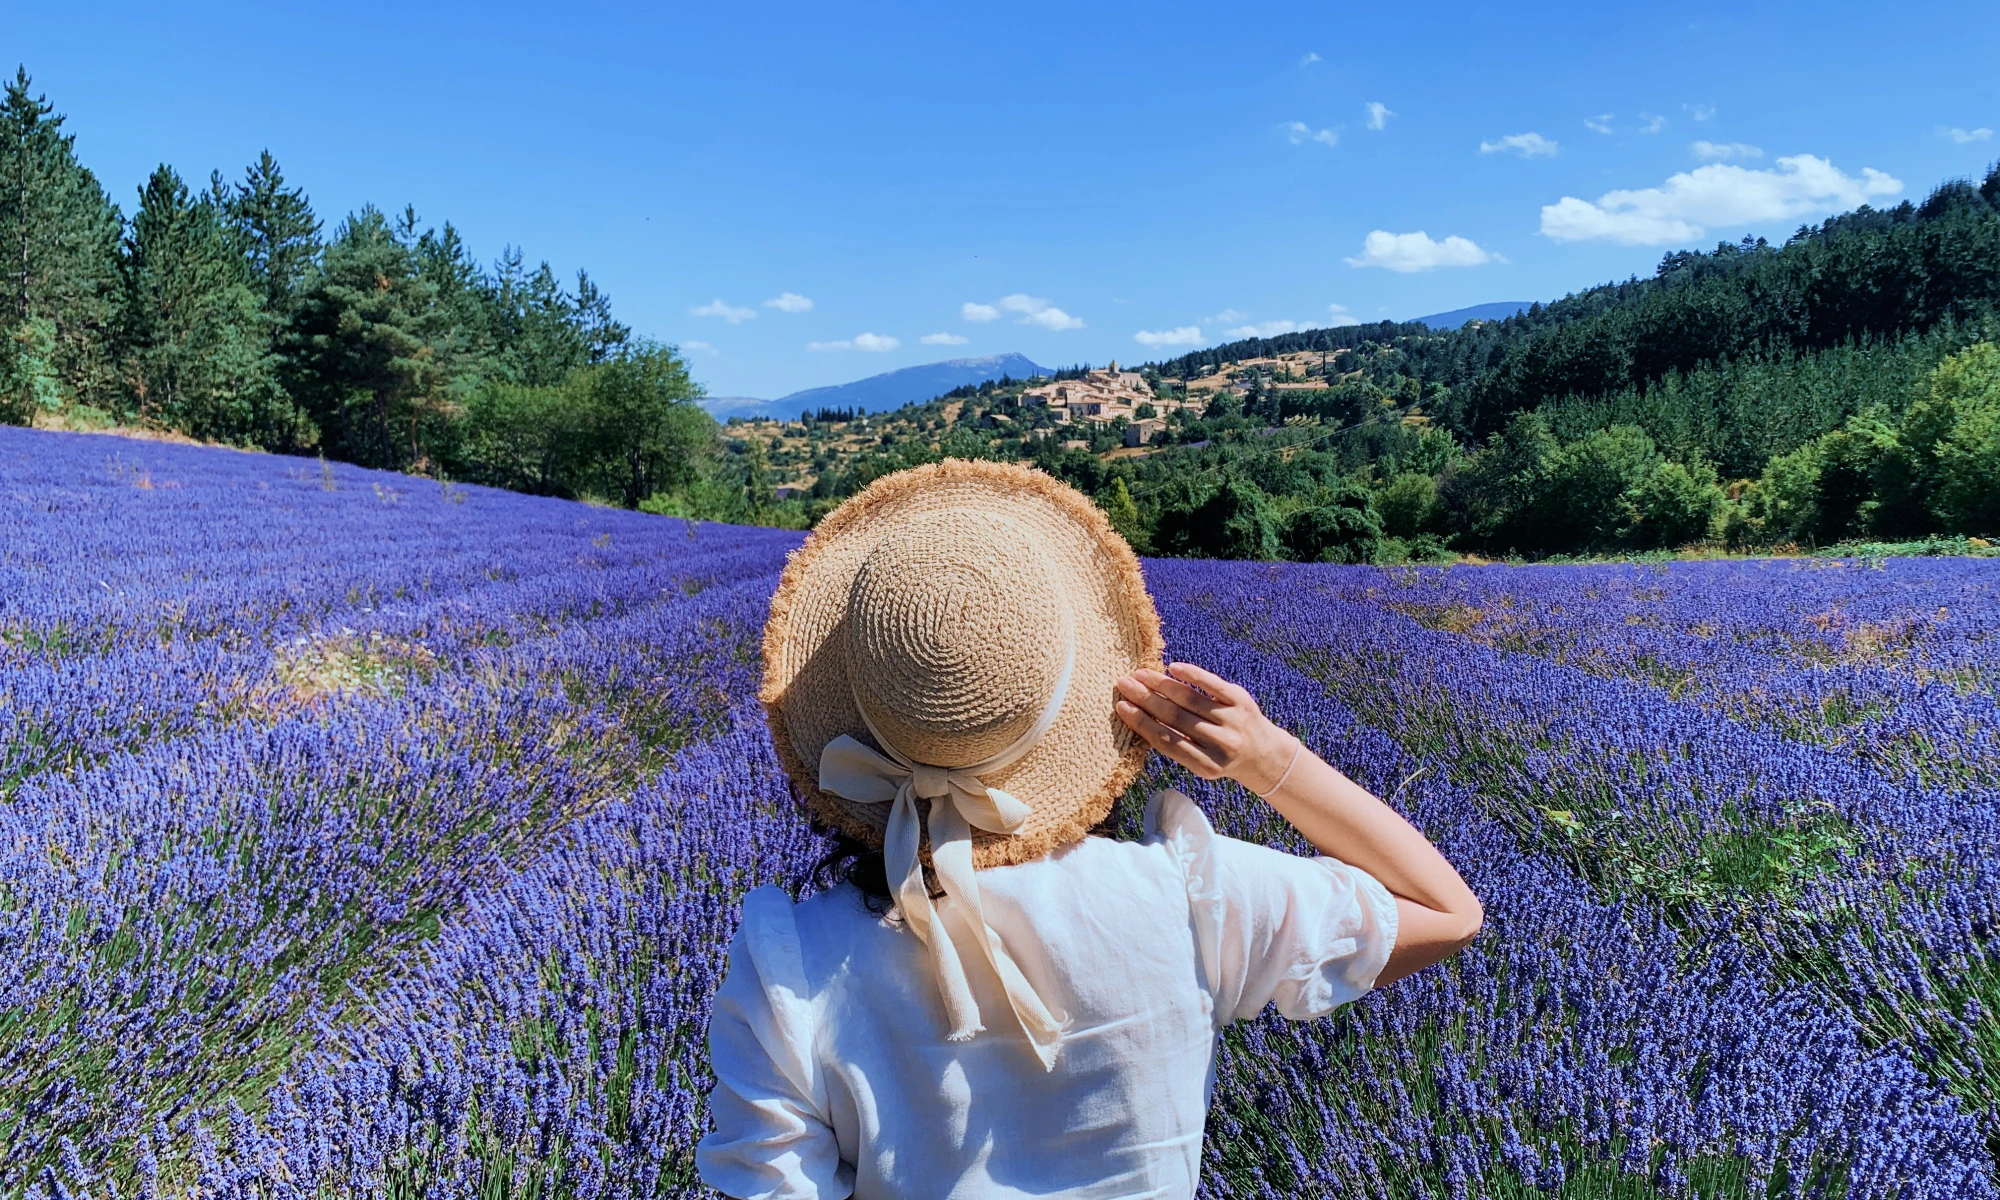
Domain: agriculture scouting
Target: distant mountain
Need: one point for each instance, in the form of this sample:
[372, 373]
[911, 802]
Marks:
[879, 393]
[724, 407]
[1499, 310]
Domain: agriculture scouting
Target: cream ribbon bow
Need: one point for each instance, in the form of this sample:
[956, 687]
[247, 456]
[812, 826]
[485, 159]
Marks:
[959, 801]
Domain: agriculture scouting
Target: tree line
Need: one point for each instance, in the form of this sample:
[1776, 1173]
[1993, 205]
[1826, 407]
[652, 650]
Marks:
[226, 311]
[1843, 386]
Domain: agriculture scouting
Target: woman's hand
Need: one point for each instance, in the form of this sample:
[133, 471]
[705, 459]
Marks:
[1216, 730]
[1207, 724]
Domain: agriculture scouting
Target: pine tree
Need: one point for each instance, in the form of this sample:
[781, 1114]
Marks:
[197, 352]
[58, 247]
[278, 233]
[461, 297]
[358, 352]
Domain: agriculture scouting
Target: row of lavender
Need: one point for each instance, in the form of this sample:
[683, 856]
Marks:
[365, 837]
[265, 730]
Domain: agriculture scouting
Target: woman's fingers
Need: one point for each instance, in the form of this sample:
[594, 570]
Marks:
[1170, 742]
[1136, 691]
[1199, 703]
[1215, 685]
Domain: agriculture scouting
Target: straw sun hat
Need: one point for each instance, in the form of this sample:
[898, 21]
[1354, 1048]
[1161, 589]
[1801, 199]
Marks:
[940, 660]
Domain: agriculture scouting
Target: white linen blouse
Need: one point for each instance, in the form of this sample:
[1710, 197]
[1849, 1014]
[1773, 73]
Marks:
[834, 1076]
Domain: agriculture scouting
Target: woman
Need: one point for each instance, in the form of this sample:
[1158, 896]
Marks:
[962, 675]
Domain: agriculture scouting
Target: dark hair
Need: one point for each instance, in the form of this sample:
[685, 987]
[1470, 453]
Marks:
[849, 860]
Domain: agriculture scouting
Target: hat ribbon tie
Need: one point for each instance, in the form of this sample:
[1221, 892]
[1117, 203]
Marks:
[959, 801]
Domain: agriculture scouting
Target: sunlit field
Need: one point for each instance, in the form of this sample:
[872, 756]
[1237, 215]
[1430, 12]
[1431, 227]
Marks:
[366, 836]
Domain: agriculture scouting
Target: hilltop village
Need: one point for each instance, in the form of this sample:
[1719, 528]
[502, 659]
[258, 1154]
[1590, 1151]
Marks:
[1110, 412]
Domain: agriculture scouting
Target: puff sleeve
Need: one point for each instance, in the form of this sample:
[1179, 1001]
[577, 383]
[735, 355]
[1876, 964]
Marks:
[772, 1138]
[1306, 934]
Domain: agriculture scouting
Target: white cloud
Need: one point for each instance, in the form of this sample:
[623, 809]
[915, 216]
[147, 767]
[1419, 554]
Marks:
[1723, 151]
[1653, 124]
[1228, 316]
[1378, 114]
[872, 342]
[1406, 252]
[1601, 123]
[1310, 58]
[978, 312]
[1036, 311]
[699, 347]
[1700, 112]
[942, 339]
[1965, 136]
[1053, 318]
[1299, 133]
[1338, 316]
[1184, 335]
[1263, 329]
[716, 308]
[1718, 194]
[790, 302]
[1527, 145]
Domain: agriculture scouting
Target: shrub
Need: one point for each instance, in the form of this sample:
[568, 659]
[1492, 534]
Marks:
[1232, 519]
[1677, 504]
[1407, 504]
[1953, 434]
[1339, 526]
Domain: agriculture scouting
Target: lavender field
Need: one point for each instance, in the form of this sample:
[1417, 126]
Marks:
[363, 836]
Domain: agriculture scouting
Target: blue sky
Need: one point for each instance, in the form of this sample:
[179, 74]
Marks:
[801, 195]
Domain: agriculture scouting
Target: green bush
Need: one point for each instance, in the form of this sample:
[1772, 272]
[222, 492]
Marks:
[1953, 434]
[1232, 519]
[1677, 505]
[1338, 526]
[1407, 504]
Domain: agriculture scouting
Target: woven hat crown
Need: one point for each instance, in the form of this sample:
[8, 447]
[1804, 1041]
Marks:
[957, 633]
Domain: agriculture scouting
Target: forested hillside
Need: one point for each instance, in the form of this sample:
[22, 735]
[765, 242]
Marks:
[227, 312]
[1843, 386]
[1838, 386]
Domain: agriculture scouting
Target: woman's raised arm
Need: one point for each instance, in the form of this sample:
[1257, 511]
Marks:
[1215, 729]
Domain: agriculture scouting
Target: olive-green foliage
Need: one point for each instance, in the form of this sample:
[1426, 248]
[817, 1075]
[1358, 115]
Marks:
[1338, 524]
[1229, 518]
[1935, 470]
[1953, 435]
[28, 379]
[1408, 504]
[623, 430]
[1119, 507]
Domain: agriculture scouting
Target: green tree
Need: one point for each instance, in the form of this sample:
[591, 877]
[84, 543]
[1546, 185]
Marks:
[1232, 519]
[1407, 504]
[28, 381]
[196, 355]
[527, 439]
[1338, 525]
[1953, 433]
[1676, 505]
[1485, 497]
[358, 350]
[58, 247]
[646, 433]
[1123, 513]
[1584, 495]
[277, 233]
